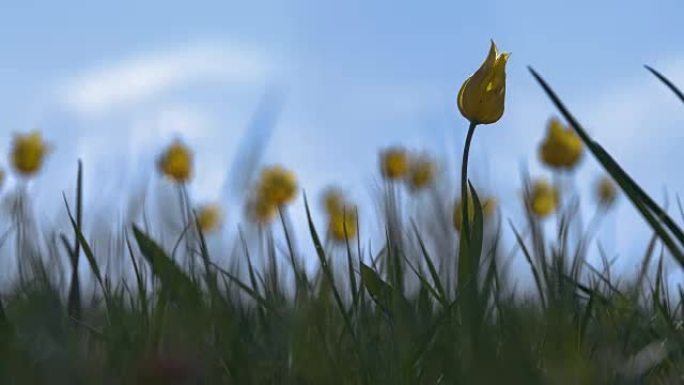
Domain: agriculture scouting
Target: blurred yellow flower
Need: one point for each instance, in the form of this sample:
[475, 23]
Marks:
[606, 191]
[561, 148]
[28, 153]
[209, 217]
[421, 173]
[342, 224]
[176, 162]
[2, 178]
[333, 200]
[544, 198]
[393, 163]
[261, 211]
[277, 186]
[481, 97]
[488, 207]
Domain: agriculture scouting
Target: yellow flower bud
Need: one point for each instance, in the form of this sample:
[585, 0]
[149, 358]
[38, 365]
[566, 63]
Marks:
[421, 173]
[333, 200]
[260, 210]
[176, 162]
[481, 98]
[393, 163]
[209, 217]
[544, 198]
[606, 191]
[561, 148]
[488, 207]
[342, 224]
[28, 153]
[277, 186]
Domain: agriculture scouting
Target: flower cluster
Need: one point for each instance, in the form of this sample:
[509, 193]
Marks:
[418, 171]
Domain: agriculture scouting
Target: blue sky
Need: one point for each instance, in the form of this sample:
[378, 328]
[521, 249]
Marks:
[113, 82]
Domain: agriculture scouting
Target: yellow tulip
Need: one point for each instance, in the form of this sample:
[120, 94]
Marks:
[28, 153]
[488, 207]
[333, 200]
[606, 192]
[481, 97]
[562, 147]
[342, 224]
[393, 163]
[176, 162]
[421, 173]
[260, 210]
[277, 186]
[544, 198]
[209, 217]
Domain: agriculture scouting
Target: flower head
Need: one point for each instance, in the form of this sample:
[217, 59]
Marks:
[176, 162]
[277, 186]
[333, 200]
[209, 217]
[543, 198]
[421, 173]
[488, 207]
[561, 148]
[342, 224]
[261, 211]
[606, 192]
[28, 153]
[394, 163]
[481, 98]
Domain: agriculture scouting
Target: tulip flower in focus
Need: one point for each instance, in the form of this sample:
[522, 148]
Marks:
[481, 97]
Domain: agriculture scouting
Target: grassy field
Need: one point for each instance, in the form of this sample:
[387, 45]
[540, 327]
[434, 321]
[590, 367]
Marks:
[433, 304]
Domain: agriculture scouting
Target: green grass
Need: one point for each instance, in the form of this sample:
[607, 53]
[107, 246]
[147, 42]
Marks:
[410, 311]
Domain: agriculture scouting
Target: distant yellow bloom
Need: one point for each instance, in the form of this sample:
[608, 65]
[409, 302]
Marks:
[544, 198]
[333, 200]
[488, 207]
[176, 162]
[606, 191]
[394, 163]
[209, 217]
[28, 153]
[277, 186]
[421, 173]
[342, 224]
[261, 211]
[2, 177]
[561, 148]
[481, 98]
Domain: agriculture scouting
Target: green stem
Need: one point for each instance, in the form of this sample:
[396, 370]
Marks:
[464, 180]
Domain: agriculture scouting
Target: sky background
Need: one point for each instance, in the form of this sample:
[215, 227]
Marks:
[113, 82]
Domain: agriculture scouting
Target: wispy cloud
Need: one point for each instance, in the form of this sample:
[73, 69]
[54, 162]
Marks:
[138, 78]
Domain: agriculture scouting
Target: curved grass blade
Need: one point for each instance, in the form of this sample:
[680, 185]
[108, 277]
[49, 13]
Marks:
[651, 212]
[173, 279]
[667, 82]
[326, 269]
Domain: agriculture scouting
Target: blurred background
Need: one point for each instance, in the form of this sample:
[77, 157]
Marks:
[113, 83]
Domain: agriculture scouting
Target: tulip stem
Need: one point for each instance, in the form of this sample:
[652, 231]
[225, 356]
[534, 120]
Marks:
[464, 180]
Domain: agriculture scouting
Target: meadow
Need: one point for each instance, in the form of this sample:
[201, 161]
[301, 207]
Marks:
[434, 303]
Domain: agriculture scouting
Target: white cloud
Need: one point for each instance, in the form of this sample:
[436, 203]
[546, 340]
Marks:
[139, 78]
